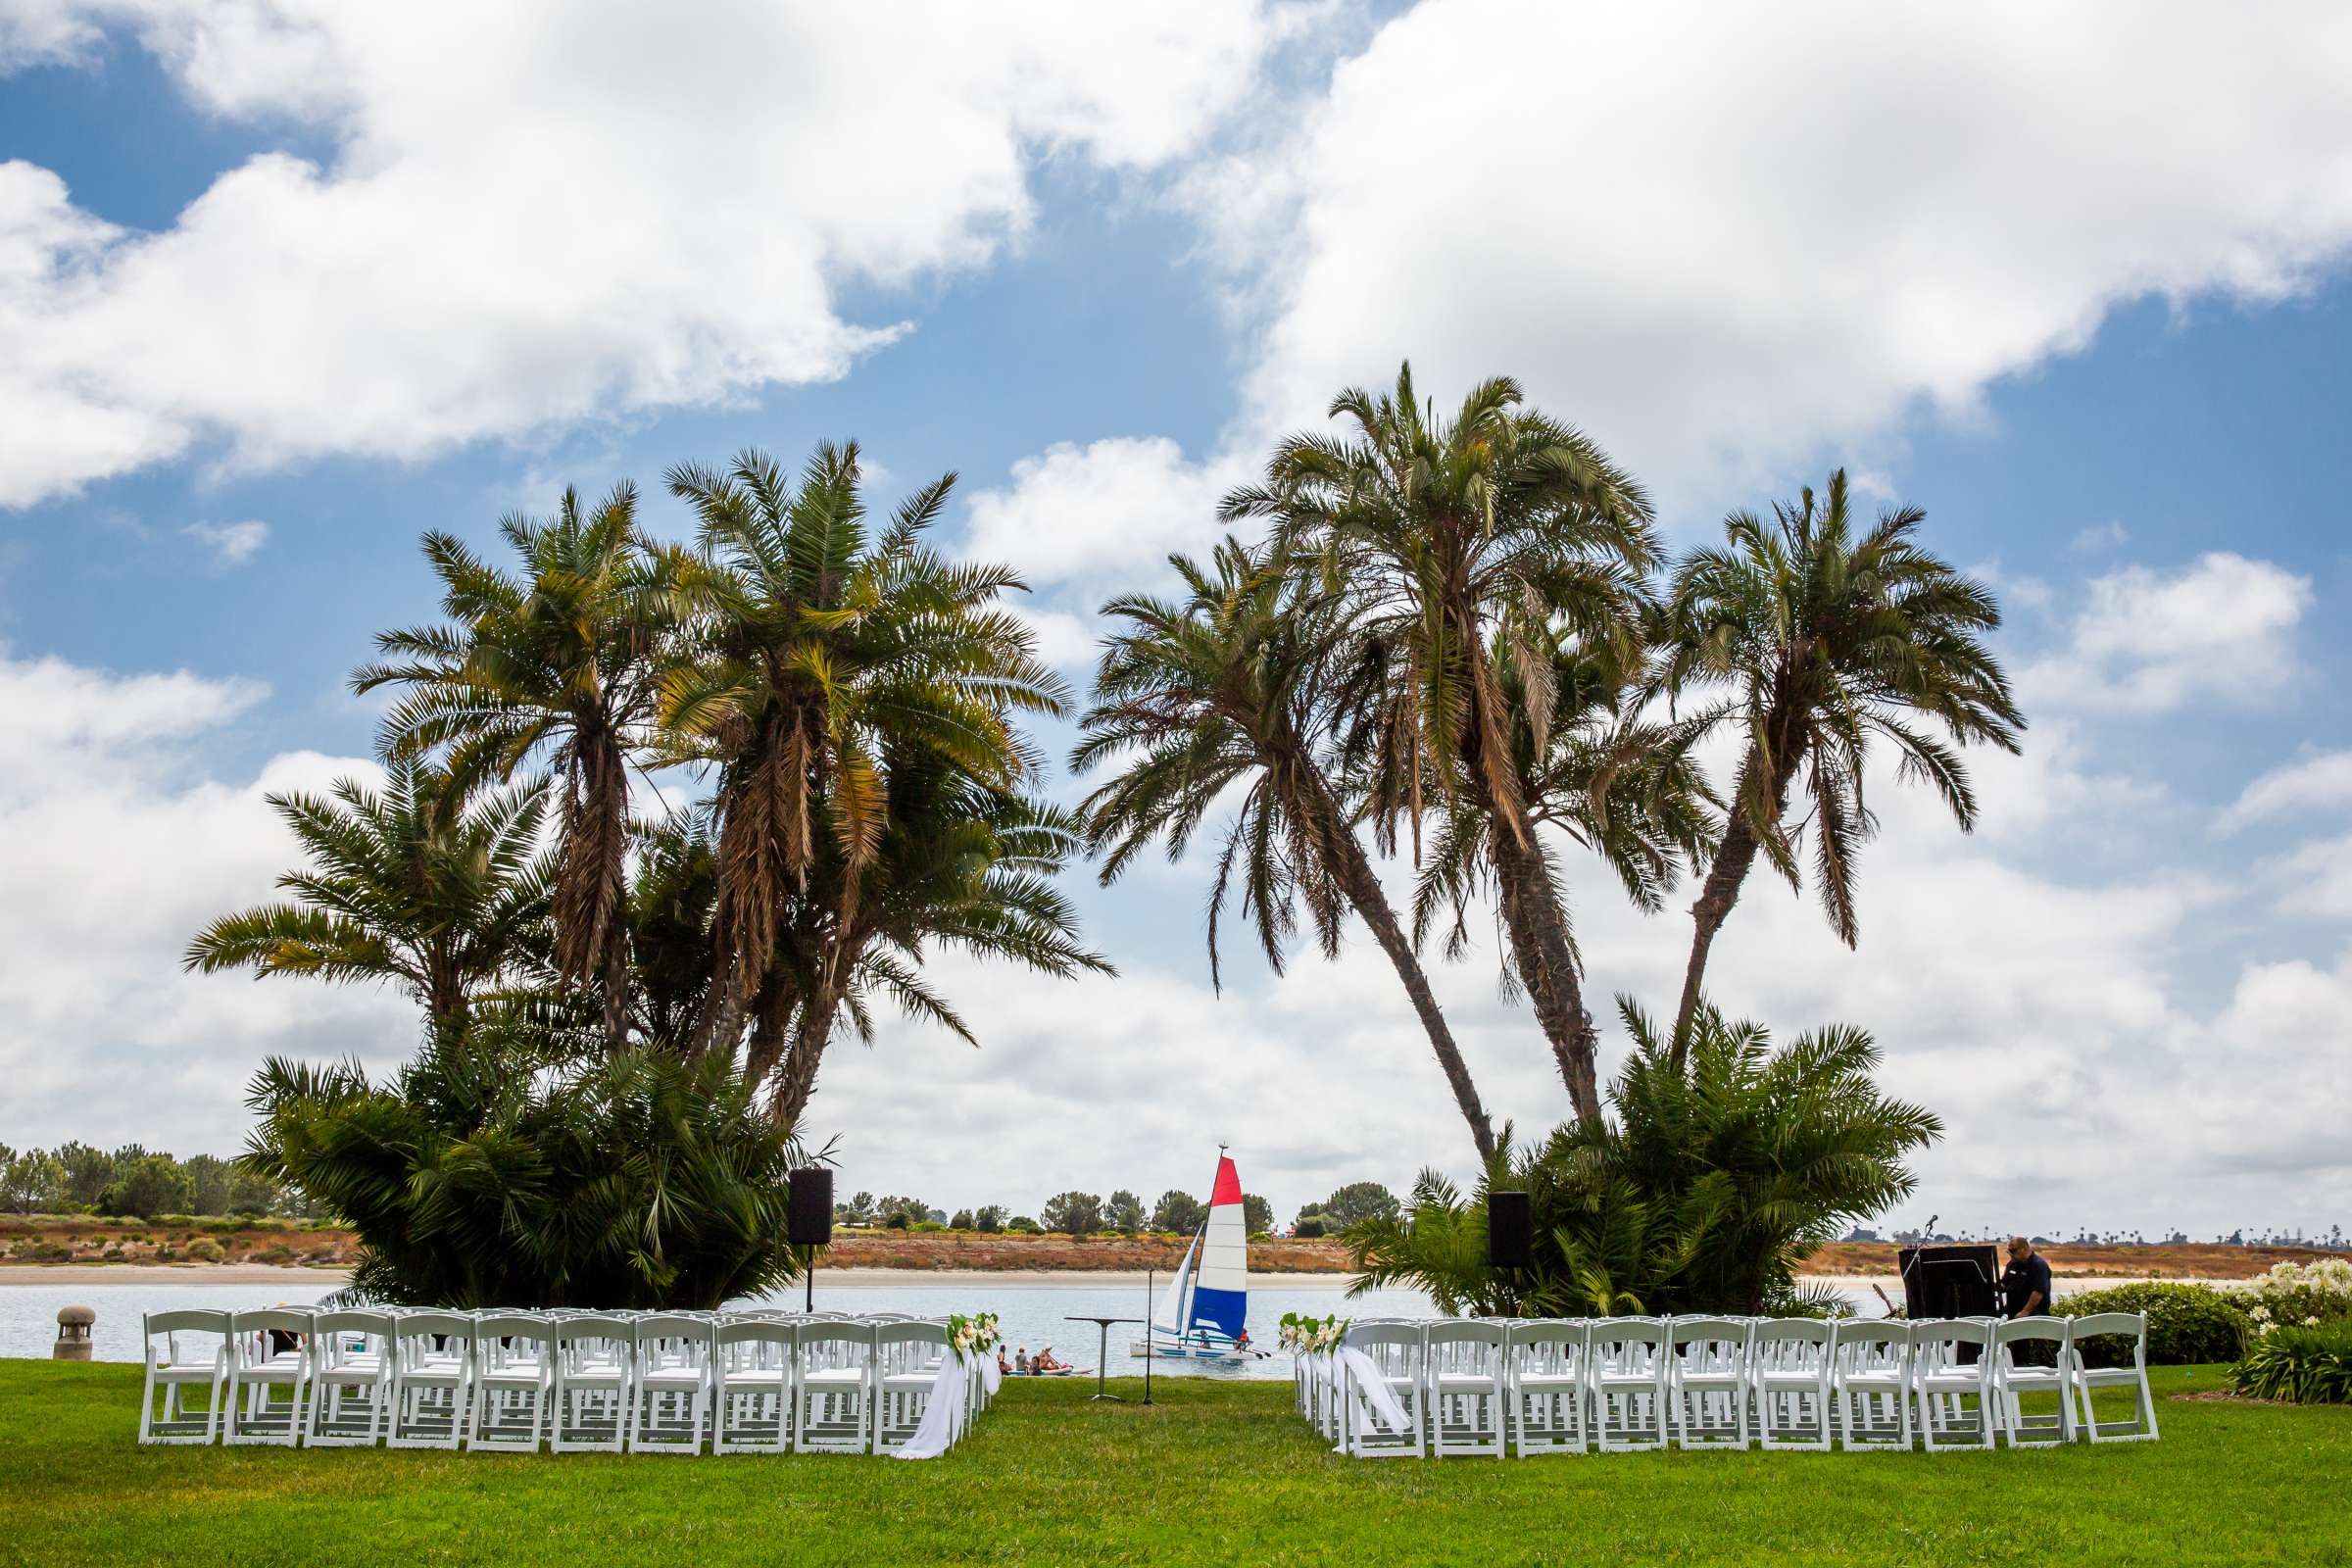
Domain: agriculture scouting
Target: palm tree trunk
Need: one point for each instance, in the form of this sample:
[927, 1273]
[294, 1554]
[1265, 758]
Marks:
[1735, 857]
[1362, 886]
[1545, 962]
[796, 1080]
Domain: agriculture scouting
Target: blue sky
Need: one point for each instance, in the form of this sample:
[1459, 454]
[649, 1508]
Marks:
[2107, 358]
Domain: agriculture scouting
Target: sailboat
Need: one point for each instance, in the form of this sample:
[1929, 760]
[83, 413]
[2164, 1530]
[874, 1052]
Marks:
[1203, 1313]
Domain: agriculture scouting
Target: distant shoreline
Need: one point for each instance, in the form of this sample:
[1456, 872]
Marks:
[832, 1278]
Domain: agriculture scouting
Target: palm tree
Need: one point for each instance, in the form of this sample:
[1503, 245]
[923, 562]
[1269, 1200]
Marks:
[412, 885]
[812, 649]
[558, 662]
[960, 864]
[1230, 687]
[1829, 639]
[1465, 546]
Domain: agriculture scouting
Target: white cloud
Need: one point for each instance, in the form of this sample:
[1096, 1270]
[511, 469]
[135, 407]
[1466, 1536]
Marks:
[1728, 237]
[2314, 782]
[2150, 641]
[1102, 513]
[2315, 878]
[231, 543]
[120, 847]
[2100, 538]
[542, 213]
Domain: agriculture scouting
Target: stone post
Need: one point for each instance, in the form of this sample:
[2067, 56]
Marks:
[73, 1334]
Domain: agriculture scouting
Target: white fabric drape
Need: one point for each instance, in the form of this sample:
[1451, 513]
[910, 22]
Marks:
[943, 1413]
[1363, 1373]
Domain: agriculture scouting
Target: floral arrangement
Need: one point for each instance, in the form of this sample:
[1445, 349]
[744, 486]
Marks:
[1303, 1335]
[2300, 1294]
[975, 1335]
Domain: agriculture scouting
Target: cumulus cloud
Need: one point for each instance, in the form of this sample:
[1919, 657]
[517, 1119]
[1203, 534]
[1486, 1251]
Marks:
[1100, 513]
[2315, 782]
[2149, 641]
[535, 216]
[120, 846]
[1727, 237]
[231, 543]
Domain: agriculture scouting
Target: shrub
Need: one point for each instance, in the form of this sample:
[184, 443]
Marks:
[1023, 1225]
[2299, 1296]
[1311, 1226]
[2304, 1365]
[1702, 1192]
[2187, 1324]
[476, 1177]
[898, 1220]
[930, 1225]
[205, 1252]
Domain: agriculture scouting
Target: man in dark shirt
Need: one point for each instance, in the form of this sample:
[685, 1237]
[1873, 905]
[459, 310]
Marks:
[2026, 1282]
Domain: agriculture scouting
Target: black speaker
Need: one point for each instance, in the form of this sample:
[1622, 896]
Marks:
[1510, 1230]
[812, 1223]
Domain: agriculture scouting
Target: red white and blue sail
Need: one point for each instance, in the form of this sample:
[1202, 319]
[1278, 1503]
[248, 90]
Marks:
[1221, 1283]
[1207, 1306]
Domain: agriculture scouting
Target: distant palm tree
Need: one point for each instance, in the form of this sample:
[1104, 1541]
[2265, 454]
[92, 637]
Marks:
[1467, 546]
[1827, 638]
[411, 885]
[1230, 686]
[557, 664]
[812, 650]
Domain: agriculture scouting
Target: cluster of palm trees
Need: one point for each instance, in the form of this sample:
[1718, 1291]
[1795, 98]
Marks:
[842, 704]
[1463, 632]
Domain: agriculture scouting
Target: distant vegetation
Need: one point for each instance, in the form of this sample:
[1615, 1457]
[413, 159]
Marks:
[78, 1179]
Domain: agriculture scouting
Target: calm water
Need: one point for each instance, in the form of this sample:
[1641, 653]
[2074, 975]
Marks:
[1033, 1316]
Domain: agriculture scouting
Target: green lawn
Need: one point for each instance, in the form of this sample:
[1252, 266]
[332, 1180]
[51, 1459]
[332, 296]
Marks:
[1218, 1473]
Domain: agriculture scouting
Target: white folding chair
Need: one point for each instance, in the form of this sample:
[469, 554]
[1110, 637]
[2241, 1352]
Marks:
[1870, 1379]
[1397, 1358]
[670, 1383]
[2088, 1378]
[1625, 1369]
[751, 1378]
[2013, 1381]
[833, 1386]
[351, 1380]
[1789, 1370]
[267, 1350]
[184, 1352]
[1462, 1378]
[1706, 1381]
[432, 1379]
[908, 1354]
[513, 1383]
[590, 1385]
[1543, 1372]
[1944, 1379]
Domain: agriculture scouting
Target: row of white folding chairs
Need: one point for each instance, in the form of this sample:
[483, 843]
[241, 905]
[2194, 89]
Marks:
[1562, 1386]
[653, 1383]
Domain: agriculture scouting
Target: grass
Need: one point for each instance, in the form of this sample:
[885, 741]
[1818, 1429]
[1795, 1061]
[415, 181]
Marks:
[1218, 1472]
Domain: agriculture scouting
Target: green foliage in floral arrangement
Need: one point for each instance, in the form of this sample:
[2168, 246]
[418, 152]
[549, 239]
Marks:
[2301, 1366]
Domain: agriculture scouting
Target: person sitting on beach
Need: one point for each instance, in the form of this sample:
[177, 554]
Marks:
[1020, 1360]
